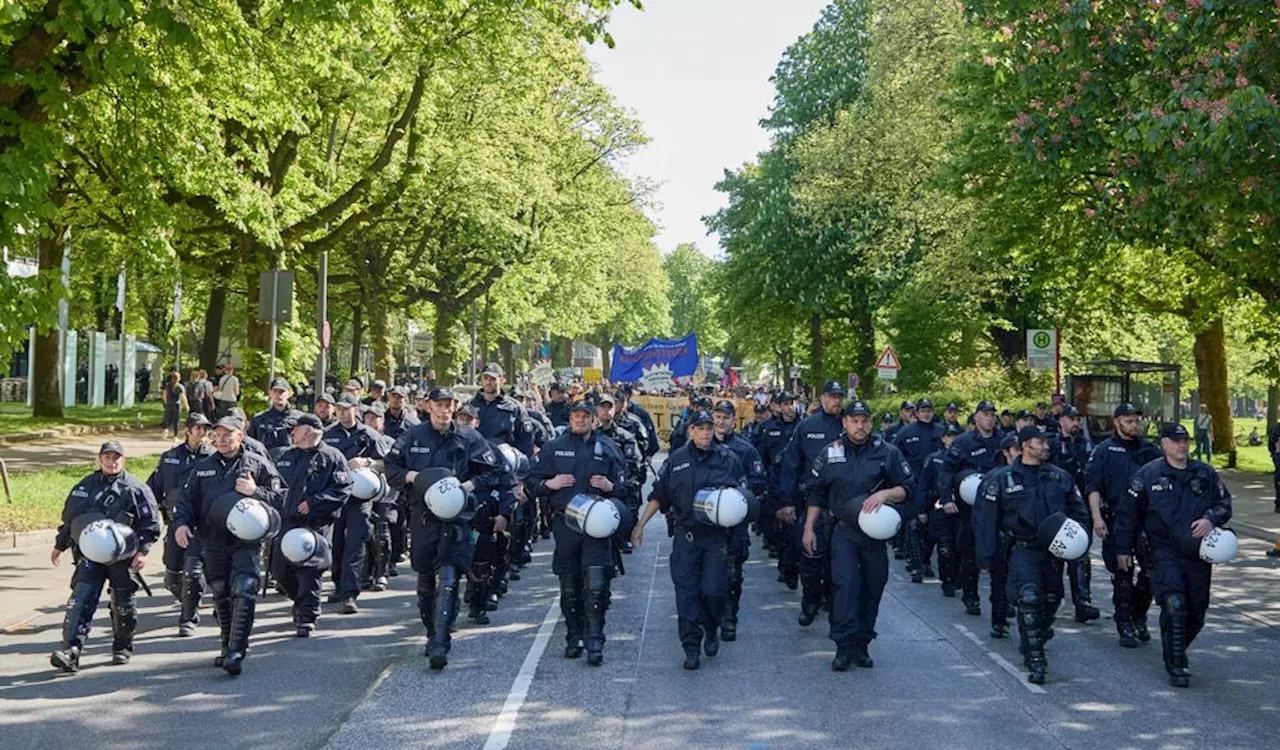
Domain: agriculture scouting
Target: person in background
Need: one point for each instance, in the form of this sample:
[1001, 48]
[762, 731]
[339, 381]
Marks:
[174, 396]
[1204, 434]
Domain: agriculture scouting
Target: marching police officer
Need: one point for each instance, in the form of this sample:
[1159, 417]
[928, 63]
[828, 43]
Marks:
[385, 514]
[760, 415]
[361, 446]
[323, 409]
[856, 473]
[398, 419]
[117, 495]
[1069, 450]
[1016, 499]
[976, 450]
[1177, 501]
[631, 423]
[558, 405]
[270, 426]
[725, 416]
[627, 403]
[771, 442]
[581, 461]
[440, 550]
[499, 418]
[230, 564]
[906, 416]
[917, 441]
[1000, 604]
[183, 568]
[810, 438]
[1107, 475]
[628, 444]
[318, 488]
[944, 528]
[699, 569]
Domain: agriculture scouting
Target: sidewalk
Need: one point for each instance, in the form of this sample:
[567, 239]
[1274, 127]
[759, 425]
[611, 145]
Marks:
[78, 449]
[1253, 504]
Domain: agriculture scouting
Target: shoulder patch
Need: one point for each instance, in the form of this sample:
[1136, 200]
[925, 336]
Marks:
[1136, 483]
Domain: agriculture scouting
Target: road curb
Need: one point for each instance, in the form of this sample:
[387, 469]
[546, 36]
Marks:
[38, 538]
[74, 429]
[1253, 532]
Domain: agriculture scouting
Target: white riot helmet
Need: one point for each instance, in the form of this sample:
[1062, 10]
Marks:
[1219, 546]
[446, 498]
[367, 484]
[247, 518]
[106, 542]
[725, 507]
[301, 545]
[969, 487]
[517, 462]
[594, 516]
[1063, 537]
[881, 524]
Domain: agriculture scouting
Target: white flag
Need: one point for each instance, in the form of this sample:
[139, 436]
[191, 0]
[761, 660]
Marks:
[177, 300]
[120, 290]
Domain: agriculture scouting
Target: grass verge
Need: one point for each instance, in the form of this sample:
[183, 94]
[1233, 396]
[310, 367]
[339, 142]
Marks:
[16, 417]
[38, 496]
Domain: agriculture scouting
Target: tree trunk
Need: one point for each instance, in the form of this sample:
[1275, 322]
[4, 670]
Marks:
[815, 351]
[1273, 405]
[1211, 365]
[213, 314]
[357, 338]
[46, 375]
[384, 358]
[444, 353]
[507, 350]
[865, 356]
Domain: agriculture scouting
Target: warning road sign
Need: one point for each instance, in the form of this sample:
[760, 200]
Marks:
[888, 360]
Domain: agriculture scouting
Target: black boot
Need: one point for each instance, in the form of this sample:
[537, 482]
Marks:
[124, 623]
[222, 613]
[189, 619]
[173, 583]
[713, 613]
[241, 625]
[478, 593]
[860, 656]
[729, 628]
[1080, 574]
[596, 600]
[572, 609]
[1122, 585]
[1032, 646]
[445, 610]
[1173, 635]
[844, 656]
[692, 658]
[915, 552]
[1048, 614]
[75, 627]
[811, 598]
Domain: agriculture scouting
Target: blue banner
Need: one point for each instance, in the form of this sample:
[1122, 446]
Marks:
[681, 355]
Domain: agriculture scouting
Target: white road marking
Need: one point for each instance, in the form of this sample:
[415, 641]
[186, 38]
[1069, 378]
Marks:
[1003, 662]
[500, 735]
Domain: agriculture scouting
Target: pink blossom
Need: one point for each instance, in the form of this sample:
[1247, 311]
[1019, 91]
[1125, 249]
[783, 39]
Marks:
[1170, 179]
[1015, 136]
[1090, 213]
[1241, 81]
[1193, 4]
[1170, 16]
[1157, 111]
[1036, 104]
[1150, 44]
[988, 61]
[1263, 219]
[1178, 143]
[1075, 121]
[1006, 32]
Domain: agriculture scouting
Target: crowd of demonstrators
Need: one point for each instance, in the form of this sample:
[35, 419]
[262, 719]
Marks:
[461, 484]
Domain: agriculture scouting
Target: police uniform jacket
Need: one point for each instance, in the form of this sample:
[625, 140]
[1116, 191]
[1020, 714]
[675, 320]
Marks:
[359, 440]
[502, 420]
[214, 476]
[1071, 454]
[844, 470]
[171, 474]
[558, 413]
[319, 476]
[1164, 502]
[651, 447]
[271, 428]
[394, 425]
[771, 442]
[633, 474]
[970, 451]
[1112, 465]
[1016, 499]
[583, 457]
[750, 459]
[123, 498]
[812, 435]
[458, 448]
[689, 469]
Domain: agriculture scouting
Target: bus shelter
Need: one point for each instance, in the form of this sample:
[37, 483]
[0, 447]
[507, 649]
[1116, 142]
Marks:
[1155, 388]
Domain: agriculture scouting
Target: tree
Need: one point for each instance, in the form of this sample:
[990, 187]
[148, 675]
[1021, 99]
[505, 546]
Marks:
[693, 298]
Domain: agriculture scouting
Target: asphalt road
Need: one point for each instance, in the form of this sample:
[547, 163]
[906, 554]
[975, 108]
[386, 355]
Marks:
[938, 681]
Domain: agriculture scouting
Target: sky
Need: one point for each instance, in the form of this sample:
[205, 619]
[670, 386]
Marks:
[696, 73]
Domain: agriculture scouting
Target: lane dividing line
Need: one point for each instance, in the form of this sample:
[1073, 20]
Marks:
[1000, 660]
[500, 735]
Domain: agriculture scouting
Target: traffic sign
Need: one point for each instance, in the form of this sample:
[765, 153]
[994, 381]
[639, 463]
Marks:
[1042, 348]
[888, 360]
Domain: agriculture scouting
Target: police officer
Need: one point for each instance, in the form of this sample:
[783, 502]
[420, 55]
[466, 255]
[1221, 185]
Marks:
[582, 461]
[377, 392]
[699, 551]
[771, 442]
[363, 449]
[324, 409]
[856, 473]
[631, 423]
[1006, 425]
[558, 405]
[230, 564]
[270, 425]
[385, 513]
[725, 416]
[626, 402]
[917, 441]
[183, 568]
[251, 444]
[1111, 466]
[976, 450]
[1177, 501]
[1016, 499]
[951, 415]
[440, 550]
[628, 444]
[1046, 420]
[1069, 450]
[944, 528]
[809, 440]
[760, 415]
[398, 419]
[906, 416]
[1010, 451]
[680, 426]
[123, 498]
[319, 487]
